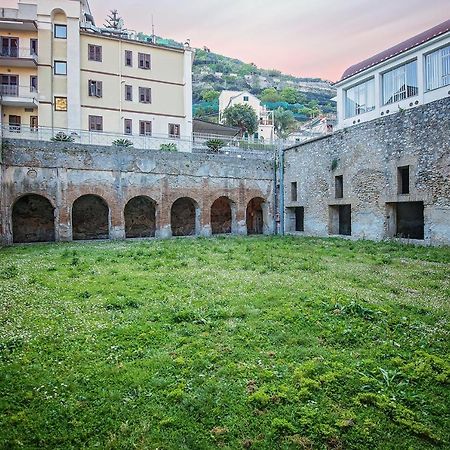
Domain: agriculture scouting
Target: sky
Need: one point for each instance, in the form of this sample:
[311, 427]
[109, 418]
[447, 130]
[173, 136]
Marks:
[317, 38]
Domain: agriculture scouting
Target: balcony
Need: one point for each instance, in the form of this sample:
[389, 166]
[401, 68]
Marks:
[17, 57]
[21, 96]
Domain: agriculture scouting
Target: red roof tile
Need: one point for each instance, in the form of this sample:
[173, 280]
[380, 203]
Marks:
[398, 49]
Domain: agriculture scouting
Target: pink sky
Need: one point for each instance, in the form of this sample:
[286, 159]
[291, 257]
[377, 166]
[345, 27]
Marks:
[318, 38]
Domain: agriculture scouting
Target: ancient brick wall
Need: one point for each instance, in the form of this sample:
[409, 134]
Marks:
[368, 157]
[64, 172]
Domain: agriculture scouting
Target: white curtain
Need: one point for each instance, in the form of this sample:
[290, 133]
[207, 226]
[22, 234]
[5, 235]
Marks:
[400, 83]
[360, 99]
[438, 68]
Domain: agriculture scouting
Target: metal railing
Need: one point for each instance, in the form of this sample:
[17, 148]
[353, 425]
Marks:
[153, 142]
[14, 90]
[18, 52]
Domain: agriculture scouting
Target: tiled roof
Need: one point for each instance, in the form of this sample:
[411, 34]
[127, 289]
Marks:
[398, 49]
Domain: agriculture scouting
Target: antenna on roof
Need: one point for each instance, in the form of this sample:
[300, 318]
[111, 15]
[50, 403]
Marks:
[153, 31]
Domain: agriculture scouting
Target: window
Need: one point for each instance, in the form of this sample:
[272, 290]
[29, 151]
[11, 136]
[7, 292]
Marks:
[360, 99]
[60, 103]
[33, 47]
[128, 93]
[95, 123]
[33, 83]
[403, 180]
[294, 191]
[33, 123]
[145, 95]
[437, 67]
[129, 58]
[300, 218]
[145, 128]
[60, 31]
[95, 88]
[15, 123]
[144, 60]
[174, 130]
[245, 98]
[339, 186]
[400, 83]
[60, 68]
[128, 126]
[95, 53]
[10, 46]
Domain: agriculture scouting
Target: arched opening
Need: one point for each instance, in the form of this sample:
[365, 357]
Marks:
[255, 217]
[33, 220]
[90, 218]
[184, 217]
[140, 217]
[221, 216]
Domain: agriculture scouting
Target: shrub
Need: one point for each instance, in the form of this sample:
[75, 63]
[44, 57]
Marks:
[215, 144]
[169, 147]
[62, 137]
[122, 143]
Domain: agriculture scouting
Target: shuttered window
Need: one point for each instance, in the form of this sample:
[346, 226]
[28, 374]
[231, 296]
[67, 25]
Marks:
[128, 58]
[145, 128]
[128, 126]
[174, 130]
[144, 61]
[145, 95]
[95, 53]
[95, 123]
[95, 88]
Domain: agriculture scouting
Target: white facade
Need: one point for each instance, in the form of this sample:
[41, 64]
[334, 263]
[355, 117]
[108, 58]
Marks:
[266, 128]
[413, 77]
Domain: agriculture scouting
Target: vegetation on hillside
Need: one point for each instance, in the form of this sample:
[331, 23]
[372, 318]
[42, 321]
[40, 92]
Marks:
[264, 343]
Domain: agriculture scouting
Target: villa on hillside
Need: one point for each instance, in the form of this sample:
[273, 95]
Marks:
[412, 73]
[61, 72]
[266, 128]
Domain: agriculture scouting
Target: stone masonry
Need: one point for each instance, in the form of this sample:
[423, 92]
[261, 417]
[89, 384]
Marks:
[395, 178]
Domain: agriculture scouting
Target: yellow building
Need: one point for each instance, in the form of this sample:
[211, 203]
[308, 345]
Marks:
[59, 72]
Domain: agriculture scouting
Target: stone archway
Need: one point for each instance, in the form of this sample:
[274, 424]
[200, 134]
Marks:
[255, 216]
[221, 216]
[90, 218]
[184, 217]
[33, 219]
[140, 217]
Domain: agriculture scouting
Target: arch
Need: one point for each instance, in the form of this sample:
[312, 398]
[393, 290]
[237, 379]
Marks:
[33, 219]
[255, 216]
[140, 217]
[221, 216]
[185, 217]
[90, 218]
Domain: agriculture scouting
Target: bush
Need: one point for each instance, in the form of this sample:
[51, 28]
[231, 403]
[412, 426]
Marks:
[215, 144]
[62, 137]
[169, 147]
[122, 143]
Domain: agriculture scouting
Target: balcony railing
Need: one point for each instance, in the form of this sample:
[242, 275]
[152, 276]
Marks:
[18, 52]
[14, 90]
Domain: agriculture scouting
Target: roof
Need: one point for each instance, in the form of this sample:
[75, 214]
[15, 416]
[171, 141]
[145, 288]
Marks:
[398, 49]
[205, 127]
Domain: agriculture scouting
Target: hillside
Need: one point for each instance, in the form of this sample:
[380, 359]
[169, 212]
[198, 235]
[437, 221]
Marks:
[213, 73]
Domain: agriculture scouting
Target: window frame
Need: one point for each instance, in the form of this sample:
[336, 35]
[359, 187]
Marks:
[145, 92]
[34, 42]
[146, 60]
[130, 88]
[96, 51]
[394, 97]
[361, 108]
[176, 126]
[100, 122]
[440, 68]
[128, 56]
[128, 123]
[59, 26]
[95, 88]
[145, 124]
[55, 63]
[34, 88]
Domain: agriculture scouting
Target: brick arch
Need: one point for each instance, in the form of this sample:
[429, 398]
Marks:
[222, 215]
[255, 213]
[90, 218]
[140, 217]
[33, 219]
[185, 217]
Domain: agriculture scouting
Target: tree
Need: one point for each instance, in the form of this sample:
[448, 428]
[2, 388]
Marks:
[114, 20]
[270, 95]
[284, 122]
[210, 96]
[290, 95]
[242, 116]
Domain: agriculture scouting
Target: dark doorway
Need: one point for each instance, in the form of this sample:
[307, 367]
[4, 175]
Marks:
[255, 217]
[299, 218]
[183, 217]
[341, 220]
[33, 220]
[221, 216]
[140, 218]
[90, 218]
[410, 220]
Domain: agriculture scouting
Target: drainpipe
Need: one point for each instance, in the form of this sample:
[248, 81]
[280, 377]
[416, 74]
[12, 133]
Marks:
[281, 169]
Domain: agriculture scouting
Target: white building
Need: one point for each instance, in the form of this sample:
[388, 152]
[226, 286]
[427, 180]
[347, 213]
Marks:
[266, 128]
[412, 73]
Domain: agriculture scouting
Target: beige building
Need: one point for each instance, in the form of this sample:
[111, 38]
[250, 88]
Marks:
[60, 72]
[266, 129]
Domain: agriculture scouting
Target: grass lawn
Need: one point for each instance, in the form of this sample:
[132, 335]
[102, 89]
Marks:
[259, 343]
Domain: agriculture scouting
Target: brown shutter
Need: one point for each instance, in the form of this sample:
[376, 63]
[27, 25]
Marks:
[99, 89]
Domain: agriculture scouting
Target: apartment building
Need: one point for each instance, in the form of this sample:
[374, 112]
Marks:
[59, 71]
[266, 128]
[412, 73]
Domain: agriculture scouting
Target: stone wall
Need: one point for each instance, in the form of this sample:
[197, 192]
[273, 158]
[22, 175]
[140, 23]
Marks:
[64, 172]
[369, 156]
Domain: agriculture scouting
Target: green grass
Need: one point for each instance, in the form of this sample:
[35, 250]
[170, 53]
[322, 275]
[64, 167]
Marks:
[259, 343]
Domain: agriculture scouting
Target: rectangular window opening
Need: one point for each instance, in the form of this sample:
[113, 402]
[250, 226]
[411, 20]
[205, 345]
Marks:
[437, 68]
[95, 123]
[128, 58]
[294, 191]
[407, 220]
[128, 93]
[95, 53]
[60, 68]
[174, 130]
[145, 95]
[400, 83]
[95, 88]
[60, 31]
[403, 180]
[339, 186]
[145, 128]
[360, 99]
[128, 126]
[144, 61]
